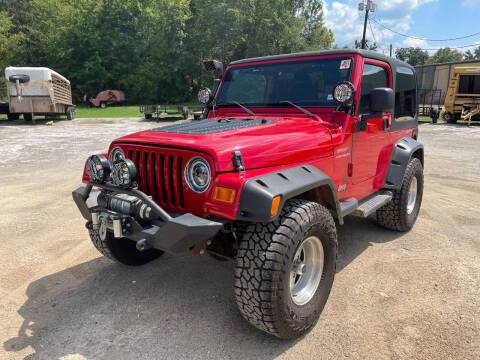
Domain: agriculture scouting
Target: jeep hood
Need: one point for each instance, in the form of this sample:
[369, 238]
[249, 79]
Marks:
[262, 142]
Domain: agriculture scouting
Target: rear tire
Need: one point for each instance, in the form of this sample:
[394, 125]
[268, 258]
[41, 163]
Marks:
[122, 250]
[402, 211]
[267, 290]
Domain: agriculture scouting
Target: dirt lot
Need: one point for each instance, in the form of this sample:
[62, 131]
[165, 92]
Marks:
[414, 295]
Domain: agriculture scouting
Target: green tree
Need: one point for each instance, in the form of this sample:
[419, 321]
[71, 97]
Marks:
[9, 41]
[413, 56]
[368, 45]
[445, 55]
[469, 55]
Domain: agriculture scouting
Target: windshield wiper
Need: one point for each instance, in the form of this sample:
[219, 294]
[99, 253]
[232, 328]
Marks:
[239, 105]
[305, 111]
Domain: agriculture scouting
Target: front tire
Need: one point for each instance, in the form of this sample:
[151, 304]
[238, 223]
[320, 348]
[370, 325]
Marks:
[402, 211]
[122, 250]
[272, 278]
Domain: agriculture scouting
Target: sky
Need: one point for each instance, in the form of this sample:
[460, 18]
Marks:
[426, 19]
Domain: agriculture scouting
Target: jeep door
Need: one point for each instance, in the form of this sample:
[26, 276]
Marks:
[368, 144]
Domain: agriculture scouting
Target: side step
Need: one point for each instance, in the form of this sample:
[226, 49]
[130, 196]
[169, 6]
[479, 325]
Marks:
[371, 204]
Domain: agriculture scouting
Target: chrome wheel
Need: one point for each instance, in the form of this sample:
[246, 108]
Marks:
[306, 271]
[412, 196]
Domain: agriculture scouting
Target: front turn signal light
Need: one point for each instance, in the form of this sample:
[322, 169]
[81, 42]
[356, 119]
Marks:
[225, 195]
[275, 205]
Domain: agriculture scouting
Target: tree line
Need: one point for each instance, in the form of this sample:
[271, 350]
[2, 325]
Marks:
[416, 56]
[152, 49]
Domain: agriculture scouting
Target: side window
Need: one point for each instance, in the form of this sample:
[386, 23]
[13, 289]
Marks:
[405, 95]
[373, 77]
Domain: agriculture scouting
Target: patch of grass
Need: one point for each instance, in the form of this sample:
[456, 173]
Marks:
[109, 112]
[119, 112]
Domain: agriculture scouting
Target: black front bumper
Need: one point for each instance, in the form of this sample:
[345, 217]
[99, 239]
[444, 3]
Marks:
[175, 234]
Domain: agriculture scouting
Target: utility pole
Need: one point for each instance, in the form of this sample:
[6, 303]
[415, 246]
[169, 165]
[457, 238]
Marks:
[391, 49]
[368, 7]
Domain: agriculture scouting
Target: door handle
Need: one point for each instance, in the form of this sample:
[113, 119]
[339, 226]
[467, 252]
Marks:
[386, 123]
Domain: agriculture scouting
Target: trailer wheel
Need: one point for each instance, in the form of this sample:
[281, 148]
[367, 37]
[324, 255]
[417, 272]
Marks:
[103, 105]
[13, 116]
[70, 113]
[148, 116]
[28, 117]
[449, 118]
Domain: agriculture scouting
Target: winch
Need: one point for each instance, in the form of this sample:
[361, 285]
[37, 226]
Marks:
[126, 205]
[118, 209]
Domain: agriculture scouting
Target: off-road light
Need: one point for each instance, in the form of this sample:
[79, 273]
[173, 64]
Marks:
[115, 155]
[124, 173]
[344, 92]
[98, 168]
[205, 96]
[198, 174]
[225, 195]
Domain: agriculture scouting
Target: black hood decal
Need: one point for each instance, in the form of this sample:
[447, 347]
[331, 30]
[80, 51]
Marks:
[202, 127]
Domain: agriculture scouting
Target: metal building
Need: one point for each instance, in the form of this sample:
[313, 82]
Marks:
[433, 80]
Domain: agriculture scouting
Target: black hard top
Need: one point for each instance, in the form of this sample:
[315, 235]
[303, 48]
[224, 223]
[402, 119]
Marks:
[365, 53]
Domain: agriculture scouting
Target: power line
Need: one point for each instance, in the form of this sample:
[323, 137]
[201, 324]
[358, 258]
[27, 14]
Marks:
[371, 30]
[419, 38]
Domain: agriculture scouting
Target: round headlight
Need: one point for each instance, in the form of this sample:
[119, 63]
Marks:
[124, 173]
[98, 168]
[115, 155]
[344, 92]
[205, 96]
[198, 174]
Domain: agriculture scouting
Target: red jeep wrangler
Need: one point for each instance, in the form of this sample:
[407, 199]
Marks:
[289, 146]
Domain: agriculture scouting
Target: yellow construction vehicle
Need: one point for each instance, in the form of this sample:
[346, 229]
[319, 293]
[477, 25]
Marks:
[463, 95]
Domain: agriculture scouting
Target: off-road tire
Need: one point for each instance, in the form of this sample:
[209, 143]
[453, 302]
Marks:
[394, 215]
[263, 264]
[122, 250]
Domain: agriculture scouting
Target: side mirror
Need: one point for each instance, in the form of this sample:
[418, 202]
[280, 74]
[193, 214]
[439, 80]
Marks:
[215, 66]
[381, 100]
[205, 96]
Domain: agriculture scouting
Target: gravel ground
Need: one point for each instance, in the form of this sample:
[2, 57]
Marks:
[395, 296]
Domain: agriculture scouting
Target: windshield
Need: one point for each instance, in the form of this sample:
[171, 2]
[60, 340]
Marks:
[305, 82]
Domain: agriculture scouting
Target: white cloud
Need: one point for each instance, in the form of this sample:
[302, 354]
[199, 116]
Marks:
[409, 42]
[346, 22]
[471, 3]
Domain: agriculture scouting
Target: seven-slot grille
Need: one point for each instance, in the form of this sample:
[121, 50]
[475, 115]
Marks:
[160, 175]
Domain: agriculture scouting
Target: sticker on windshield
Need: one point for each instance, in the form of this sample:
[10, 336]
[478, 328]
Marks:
[345, 64]
[329, 97]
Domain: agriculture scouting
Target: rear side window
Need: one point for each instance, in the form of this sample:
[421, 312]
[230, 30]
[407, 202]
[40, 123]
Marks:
[469, 84]
[373, 77]
[405, 95]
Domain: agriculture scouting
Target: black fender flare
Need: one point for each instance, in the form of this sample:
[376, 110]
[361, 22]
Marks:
[257, 193]
[401, 155]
